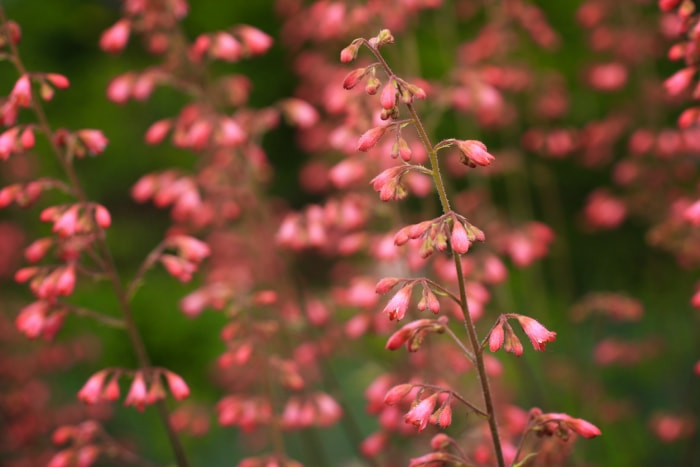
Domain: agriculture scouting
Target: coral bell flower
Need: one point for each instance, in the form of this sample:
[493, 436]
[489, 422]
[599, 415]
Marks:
[138, 394]
[397, 306]
[474, 153]
[178, 387]
[420, 414]
[114, 39]
[21, 94]
[94, 140]
[538, 334]
[91, 392]
[254, 39]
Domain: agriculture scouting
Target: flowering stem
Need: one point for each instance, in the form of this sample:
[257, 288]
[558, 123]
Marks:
[468, 322]
[132, 331]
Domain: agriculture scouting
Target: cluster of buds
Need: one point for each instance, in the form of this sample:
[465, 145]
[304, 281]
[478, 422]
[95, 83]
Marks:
[428, 405]
[81, 142]
[397, 306]
[84, 444]
[170, 188]
[146, 387]
[314, 409]
[502, 334]
[25, 194]
[187, 253]
[245, 412]
[76, 219]
[435, 234]
[230, 46]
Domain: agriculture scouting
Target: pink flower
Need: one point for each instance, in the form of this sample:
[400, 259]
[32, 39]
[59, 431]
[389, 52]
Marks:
[388, 96]
[538, 334]
[397, 306]
[31, 320]
[349, 53]
[226, 47]
[158, 131]
[60, 81]
[138, 393]
[254, 39]
[679, 81]
[94, 140]
[397, 393]
[178, 387]
[354, 77]
[474, 153]
[300, 112]
[114, 39]
[497, 336]
[577, 425]
[370, 138]
[102, 216]
[420, 414]
[459, 238]
[91, 392]
[21, 94]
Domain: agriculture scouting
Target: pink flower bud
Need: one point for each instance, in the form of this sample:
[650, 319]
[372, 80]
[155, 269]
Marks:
[388, 96]
[114, 39]
[94, 140]
[679, 81]
[119, 88]
[354, 77]
[349, 53]
[178, 387]
[370, 138]
[111, 390]
[474, 153]
[226, 47]
[459, 239]
[38, 249]
[445, 416]
[60, 81]
[102, 216]
[496, 337]
[27, 138]
[157, 132]
[254, 39]
[386, 284]
[397, 393]
[177, 267]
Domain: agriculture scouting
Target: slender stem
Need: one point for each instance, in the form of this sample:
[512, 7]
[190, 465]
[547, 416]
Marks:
[468, 322]
[459, 343]
[132, 331]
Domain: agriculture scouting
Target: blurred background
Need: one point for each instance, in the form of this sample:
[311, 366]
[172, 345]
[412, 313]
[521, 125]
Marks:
[633, 378]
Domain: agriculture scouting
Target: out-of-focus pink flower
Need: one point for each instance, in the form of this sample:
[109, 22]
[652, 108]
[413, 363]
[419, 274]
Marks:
[91, 392]
[138, 394]
[679, 81]
[114, 39]
[94, 140]
[254, 39]
[178, 387]
[21, 94]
